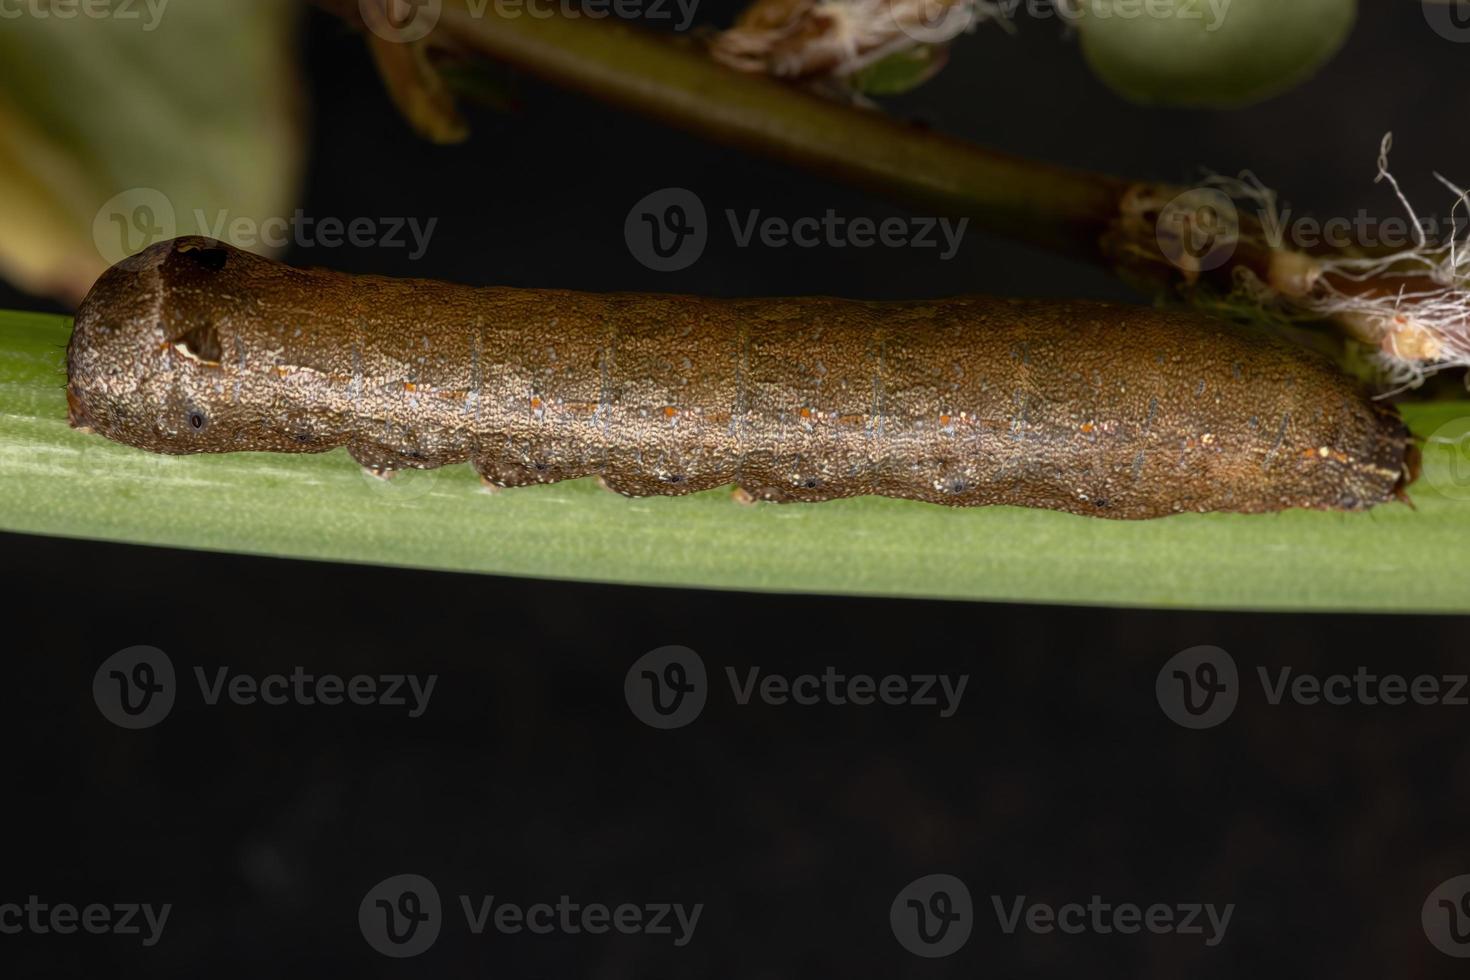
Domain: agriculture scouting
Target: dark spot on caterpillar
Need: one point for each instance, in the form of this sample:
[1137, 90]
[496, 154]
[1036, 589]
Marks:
[303, 437]
[197, 421]
[675, 478]
[541, 467]
[213, 259]
[203, 343]
[811, 483]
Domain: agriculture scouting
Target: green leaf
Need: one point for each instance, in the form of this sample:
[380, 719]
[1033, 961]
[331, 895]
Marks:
[54, 480]
[1210, 52]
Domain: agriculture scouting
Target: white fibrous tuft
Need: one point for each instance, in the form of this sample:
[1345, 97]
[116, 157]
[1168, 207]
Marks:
[1411, 305]
[838, 38]
[1425, 322]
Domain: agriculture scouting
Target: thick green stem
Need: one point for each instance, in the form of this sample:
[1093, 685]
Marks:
[56, 480]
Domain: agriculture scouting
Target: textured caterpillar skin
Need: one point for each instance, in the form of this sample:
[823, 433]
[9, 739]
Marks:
[195, 346]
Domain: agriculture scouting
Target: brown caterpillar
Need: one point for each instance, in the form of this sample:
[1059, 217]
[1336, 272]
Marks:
[195, 346]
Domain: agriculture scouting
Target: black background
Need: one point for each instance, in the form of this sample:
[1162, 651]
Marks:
[529, 778]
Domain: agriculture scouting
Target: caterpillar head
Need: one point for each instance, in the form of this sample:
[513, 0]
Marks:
[153, 359]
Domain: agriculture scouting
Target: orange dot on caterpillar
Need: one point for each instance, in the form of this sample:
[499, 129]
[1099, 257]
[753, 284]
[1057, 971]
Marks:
[194, 346]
